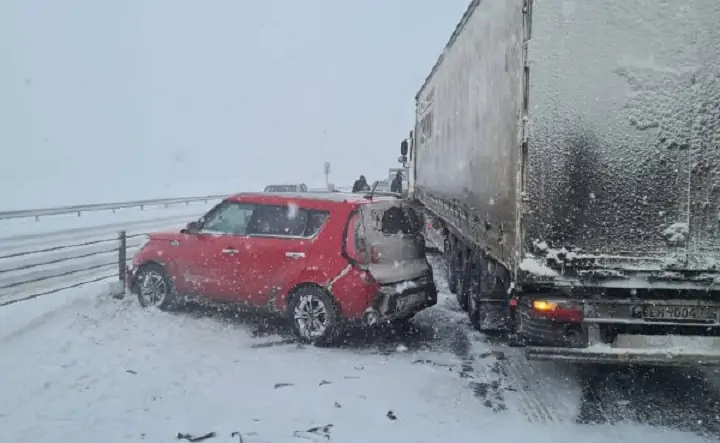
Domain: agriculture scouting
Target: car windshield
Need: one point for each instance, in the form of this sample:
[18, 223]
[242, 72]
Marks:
[382, 186]
[281, 188]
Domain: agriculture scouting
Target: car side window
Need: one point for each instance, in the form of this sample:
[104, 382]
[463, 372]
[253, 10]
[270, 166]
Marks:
[230, 218]
[316, 220]
[274, 220]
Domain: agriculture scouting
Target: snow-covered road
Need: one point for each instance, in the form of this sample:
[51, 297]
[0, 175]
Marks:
[106, 370]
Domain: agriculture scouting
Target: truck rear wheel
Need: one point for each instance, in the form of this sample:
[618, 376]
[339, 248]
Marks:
[451, 258]
[463, 277]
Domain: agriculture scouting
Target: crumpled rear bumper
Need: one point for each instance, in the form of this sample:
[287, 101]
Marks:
[390, 305]
[619, 356]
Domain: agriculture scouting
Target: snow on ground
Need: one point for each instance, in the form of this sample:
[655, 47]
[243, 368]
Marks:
[99, 369]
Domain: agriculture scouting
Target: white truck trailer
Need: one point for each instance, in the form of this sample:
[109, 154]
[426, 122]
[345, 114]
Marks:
[570, 150]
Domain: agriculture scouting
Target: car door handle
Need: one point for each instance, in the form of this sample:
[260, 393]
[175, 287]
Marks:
[230, 251]
[295, 255]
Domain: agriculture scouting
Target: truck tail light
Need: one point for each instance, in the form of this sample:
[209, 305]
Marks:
[557, 310]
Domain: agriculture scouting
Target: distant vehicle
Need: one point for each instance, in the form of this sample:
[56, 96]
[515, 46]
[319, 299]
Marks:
[321, 260]
[300, 187]
[382, 186]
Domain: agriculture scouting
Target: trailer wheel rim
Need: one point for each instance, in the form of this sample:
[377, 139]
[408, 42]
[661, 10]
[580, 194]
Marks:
[153, 288]
[311, 316]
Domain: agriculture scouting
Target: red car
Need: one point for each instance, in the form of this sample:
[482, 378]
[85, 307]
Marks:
[323, 260]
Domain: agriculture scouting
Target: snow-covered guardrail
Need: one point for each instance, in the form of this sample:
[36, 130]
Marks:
[41, 264]
[79, 209]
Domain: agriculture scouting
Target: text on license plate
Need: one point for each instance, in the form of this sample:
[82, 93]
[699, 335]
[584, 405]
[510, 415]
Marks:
[680, 312]
[410, 300]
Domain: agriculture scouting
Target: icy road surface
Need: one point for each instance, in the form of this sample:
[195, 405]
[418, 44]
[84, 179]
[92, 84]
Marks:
[106, 370]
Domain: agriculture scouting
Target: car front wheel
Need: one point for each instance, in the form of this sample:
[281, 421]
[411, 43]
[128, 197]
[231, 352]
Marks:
[155, 288]
[315, 316]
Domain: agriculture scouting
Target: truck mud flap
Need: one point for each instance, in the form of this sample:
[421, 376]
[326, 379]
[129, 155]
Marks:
[624, 356]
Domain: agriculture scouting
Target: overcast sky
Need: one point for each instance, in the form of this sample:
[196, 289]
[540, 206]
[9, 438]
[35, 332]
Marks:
[108, 100]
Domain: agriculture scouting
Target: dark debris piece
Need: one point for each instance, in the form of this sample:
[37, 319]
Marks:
[282, 385]
[192, 438]
[322, 431]
[323, 382]
[391, 415]
[338, 405]
[130, 371]
[238, 435]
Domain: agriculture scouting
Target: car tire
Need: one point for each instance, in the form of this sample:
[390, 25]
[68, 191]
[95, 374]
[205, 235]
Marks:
[155, 288]
[315, 316]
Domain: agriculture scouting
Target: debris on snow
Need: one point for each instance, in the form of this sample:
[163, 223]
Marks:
[391, 415]
[318, 431]
[323, 382]
[282, 385]
[192, 438]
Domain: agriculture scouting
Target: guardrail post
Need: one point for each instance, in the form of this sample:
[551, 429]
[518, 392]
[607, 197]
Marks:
[122, 254]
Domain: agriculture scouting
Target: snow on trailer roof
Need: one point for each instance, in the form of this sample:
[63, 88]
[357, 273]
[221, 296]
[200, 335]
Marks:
[458, 29]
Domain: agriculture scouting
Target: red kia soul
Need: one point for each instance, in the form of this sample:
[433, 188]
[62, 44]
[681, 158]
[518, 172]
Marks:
[323, 260]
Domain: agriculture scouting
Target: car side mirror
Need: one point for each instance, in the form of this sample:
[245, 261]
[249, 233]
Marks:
[404, 148]
[191, 228]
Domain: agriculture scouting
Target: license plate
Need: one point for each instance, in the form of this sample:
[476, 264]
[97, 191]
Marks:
[410, 300]
[703, 313]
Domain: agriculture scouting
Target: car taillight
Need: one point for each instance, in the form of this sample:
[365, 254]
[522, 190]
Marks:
[557, 311]
[356, 247]
[354, 244]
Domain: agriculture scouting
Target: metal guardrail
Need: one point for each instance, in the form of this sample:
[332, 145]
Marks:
[33, 268]
[104, 258]
[79, 209]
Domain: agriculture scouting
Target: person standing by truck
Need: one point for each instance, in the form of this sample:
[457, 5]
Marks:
[396, 185]
[360, 185]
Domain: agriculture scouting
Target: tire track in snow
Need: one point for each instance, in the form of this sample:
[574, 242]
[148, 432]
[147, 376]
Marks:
[543, 392]
[546, 392]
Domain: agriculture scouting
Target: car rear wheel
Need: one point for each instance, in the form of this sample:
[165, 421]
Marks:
[315, 316]
[154, 287]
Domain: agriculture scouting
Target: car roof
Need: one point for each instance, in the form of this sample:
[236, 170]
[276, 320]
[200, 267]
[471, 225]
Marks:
[316, 199]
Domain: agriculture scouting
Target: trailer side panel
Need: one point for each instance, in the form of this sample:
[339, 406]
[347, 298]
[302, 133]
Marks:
[468, 128]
